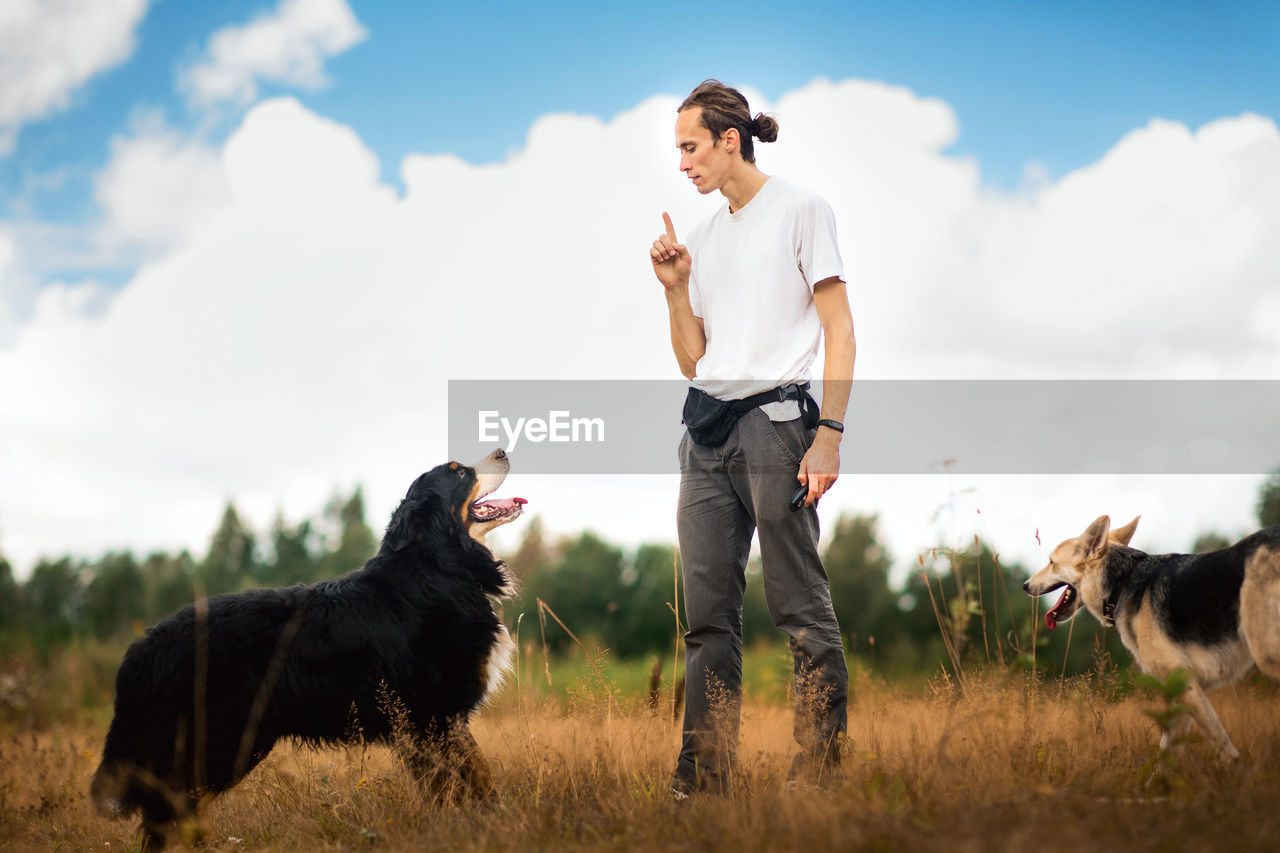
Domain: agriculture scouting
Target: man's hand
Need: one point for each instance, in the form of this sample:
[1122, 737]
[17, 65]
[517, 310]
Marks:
[671, 260]
[821, 465]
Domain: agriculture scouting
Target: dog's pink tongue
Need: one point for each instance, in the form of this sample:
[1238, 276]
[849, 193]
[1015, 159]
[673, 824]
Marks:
[505, 503]
[1051, 618]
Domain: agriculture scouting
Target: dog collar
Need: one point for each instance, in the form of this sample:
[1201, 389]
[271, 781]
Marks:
[1109, 607]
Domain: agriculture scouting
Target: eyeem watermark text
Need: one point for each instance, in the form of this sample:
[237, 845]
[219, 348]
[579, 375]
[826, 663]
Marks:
[996, 427]
[558, 426]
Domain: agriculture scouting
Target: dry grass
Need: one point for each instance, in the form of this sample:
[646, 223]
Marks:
[1010, 766]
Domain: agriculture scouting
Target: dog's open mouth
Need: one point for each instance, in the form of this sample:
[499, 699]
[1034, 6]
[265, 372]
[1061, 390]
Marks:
[505, 508]
[487, 513]
[1064, 609]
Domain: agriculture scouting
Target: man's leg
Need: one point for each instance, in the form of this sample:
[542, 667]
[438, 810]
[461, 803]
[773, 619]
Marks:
[715, 539]
[796, 587]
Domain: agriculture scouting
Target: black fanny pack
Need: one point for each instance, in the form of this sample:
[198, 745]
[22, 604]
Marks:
[710, 420]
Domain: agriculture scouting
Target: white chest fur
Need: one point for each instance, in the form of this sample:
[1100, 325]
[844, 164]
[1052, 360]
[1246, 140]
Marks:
[498, 664]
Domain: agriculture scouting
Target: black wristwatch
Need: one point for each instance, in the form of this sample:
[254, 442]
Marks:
[835, 425]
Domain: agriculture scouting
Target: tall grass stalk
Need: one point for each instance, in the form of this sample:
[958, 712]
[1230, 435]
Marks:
[982, 610]
[599, 679]
[942, 614]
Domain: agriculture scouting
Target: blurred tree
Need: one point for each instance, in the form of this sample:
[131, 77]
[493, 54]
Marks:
[53, 597]
[644, 622]
[114, 596]
[858, 567]
[534, 553]
[169, 583]
[230, 563]
[583, 587]
[1207, 542]
[1268, 506]
[968, 598]
[294, 559]
[981, 608]
[757, 623]
[356, 542]
[10, 600]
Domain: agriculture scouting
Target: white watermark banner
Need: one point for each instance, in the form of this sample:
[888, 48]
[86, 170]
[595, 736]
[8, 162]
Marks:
[897, 426]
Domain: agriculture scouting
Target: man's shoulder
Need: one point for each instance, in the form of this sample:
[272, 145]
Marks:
[796, 195]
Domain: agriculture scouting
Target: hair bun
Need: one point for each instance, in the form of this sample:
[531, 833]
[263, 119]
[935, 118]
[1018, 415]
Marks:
[764, 128]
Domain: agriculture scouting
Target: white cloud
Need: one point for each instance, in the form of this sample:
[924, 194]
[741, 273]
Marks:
[156, 190]
[8, 324]
[288, 46]
[158, 187]
[300, 335]
[49, 48]
[1147, 263]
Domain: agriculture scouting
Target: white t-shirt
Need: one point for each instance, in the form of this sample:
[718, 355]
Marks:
[752, 285]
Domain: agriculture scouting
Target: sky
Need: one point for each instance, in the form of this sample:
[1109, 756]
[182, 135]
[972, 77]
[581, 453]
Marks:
[245, 245]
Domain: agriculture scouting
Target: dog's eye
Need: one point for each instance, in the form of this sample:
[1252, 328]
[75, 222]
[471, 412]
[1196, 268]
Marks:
[462, 473]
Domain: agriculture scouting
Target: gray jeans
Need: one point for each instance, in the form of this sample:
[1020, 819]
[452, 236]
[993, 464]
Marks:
[727, 493]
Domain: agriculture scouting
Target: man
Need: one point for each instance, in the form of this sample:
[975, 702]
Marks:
[759, 284]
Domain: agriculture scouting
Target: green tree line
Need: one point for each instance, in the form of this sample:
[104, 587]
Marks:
[956, 607]
[966, 599]
[115, 596]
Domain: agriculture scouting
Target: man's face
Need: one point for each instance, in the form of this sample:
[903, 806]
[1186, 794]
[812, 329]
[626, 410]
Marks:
[705, 164]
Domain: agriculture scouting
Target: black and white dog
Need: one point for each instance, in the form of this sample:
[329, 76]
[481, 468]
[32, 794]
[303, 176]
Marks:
[403, 649]
[1216, 615]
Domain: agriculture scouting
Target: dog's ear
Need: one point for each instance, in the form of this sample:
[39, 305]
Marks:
[1122, 535]
[1094, 538]
[407, 523]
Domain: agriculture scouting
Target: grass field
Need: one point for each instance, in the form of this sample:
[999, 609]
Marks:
[1008, 763]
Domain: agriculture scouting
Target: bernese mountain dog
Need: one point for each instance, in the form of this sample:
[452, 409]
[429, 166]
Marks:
[402, 650]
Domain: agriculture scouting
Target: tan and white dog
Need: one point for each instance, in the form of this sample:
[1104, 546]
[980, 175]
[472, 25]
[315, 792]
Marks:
[1217, 615]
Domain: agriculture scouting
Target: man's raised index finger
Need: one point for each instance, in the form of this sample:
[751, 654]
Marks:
[671, 229]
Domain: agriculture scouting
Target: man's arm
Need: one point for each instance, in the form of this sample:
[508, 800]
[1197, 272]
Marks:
[688, 335]
[821, 465]
[672, 265]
